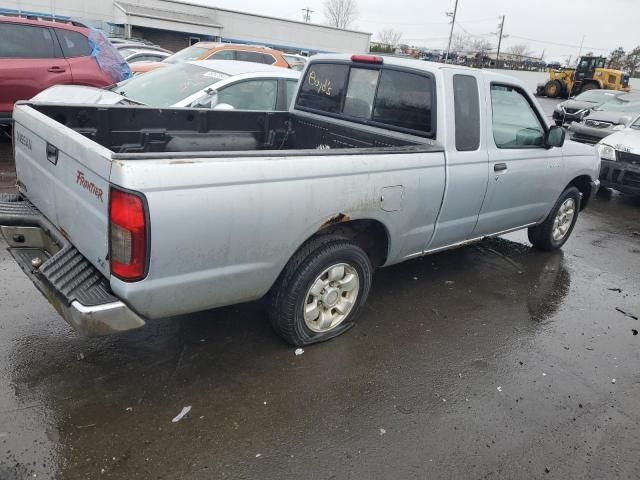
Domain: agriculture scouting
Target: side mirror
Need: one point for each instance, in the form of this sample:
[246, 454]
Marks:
[555, 137]
[224, 106]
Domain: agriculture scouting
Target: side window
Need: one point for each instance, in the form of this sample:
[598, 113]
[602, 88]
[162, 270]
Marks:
[323, 87]
[250, 95]
[74, 44]
[361, 92]
[254, 57]
[404, 100]
[25, 41]
[223, 55]
[290, 89]
[268, 59]
[515, 123]
[467, 111]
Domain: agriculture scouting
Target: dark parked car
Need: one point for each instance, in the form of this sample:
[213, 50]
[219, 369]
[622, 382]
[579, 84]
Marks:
[606, 120]
[35, 55]
[576, 108]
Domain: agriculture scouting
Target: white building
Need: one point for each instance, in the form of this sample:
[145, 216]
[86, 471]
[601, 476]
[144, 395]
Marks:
[175, 25]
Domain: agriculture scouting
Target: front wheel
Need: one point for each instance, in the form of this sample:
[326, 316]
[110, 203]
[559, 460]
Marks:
[553, 89]
[553, 233]
[321, 291]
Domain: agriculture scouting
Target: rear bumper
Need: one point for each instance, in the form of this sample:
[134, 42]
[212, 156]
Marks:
[624, 177]
[74, 287]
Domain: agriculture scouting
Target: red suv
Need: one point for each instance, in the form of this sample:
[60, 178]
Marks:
[35, 55]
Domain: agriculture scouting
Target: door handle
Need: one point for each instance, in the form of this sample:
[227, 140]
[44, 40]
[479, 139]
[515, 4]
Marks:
[499, 167]
[56, 69]
[52, 154]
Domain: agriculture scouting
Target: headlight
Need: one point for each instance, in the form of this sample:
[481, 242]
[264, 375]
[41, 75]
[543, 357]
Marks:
[606, 152]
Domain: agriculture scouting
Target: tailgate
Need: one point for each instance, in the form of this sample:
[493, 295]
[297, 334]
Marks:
[66, 176]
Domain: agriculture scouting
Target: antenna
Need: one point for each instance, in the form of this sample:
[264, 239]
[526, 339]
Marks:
[307, 14]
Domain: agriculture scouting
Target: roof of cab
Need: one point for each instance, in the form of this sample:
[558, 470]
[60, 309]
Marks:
[420, 65]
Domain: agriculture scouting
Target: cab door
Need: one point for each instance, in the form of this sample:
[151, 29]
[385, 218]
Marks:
[30, 61]
[467, 159]
[524, 175]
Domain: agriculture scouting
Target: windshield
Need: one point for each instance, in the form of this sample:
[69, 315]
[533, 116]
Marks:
[596, 96]
[164, 87]
[636, 125]
[186, 55]
[620, 107]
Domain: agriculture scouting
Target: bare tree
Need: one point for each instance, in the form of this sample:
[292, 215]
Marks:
[616, 58]
[390, 37]
[520, 50]
[340, 13]
[632, 62]
[481, 46]
[460, 42]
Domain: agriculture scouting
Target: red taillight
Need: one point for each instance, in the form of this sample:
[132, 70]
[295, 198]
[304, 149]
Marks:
[367, 59]
[127, 235]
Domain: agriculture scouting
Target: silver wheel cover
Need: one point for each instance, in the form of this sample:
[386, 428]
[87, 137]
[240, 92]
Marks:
[331, 298]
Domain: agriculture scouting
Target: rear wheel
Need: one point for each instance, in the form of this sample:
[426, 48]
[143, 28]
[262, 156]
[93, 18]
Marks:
[553, 233]
[553, 89]
[321, 291]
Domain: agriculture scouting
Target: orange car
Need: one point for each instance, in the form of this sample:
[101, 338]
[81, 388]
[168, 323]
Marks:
[217, 51]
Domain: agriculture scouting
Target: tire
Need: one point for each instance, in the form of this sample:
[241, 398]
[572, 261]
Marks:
[313, 265]
[550, 236]
[553, 89]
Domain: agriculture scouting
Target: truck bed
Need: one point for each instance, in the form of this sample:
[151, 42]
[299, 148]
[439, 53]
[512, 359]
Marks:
[129, 130]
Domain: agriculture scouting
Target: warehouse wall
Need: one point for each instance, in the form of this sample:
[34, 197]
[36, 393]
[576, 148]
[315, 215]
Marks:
[92, 9]
[254, 28]
[173, 41]
[237, 26]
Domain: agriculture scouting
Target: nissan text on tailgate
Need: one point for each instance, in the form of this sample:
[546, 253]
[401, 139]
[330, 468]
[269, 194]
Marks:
[128, 214]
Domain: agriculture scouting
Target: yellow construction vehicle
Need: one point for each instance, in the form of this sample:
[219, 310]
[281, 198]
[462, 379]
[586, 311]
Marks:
[590, 73]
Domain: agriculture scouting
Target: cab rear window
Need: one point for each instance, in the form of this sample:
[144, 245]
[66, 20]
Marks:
[323, 87]
[386, 97]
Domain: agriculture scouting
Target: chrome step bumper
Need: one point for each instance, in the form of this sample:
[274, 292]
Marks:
[75, 288]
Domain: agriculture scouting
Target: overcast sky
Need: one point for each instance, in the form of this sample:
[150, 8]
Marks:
[555, 26]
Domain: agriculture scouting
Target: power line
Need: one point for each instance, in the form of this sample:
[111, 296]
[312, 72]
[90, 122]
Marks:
[561, 44]
[423, 24]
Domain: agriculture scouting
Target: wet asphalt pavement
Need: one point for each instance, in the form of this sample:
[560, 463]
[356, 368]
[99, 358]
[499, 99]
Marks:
[490, 361]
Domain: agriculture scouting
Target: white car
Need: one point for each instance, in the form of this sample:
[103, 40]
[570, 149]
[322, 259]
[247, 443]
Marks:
[219, 84]
[143, 54]
[138, 52]
[620, 157]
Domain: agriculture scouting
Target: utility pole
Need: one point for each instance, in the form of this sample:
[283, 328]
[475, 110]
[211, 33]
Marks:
[307, 14]
[501, 27]
[453, 22]
[581, 44]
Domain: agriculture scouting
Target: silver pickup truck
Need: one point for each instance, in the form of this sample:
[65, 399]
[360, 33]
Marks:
[127, 214]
